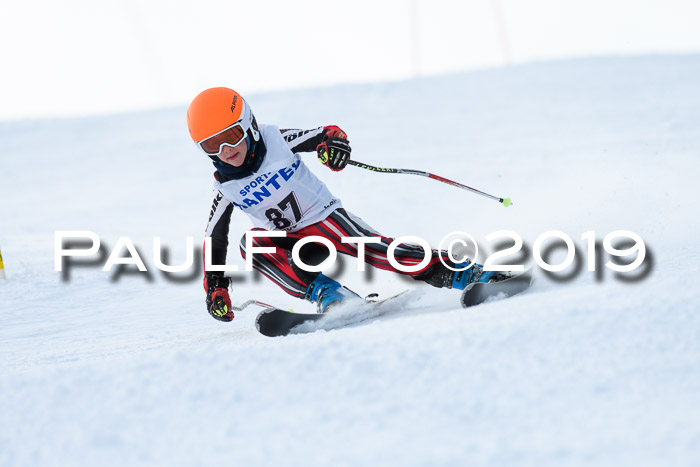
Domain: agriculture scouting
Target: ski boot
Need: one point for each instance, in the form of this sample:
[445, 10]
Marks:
[476, 273]
[327, 293]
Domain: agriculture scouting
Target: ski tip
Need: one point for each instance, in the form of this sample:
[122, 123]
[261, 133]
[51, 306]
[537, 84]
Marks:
[506, 202]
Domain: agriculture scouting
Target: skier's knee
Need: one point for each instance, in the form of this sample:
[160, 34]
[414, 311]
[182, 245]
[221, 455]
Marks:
[256, 240]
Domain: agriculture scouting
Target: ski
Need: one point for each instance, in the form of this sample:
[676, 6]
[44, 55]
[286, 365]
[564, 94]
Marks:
[274, 322]
[481, 292]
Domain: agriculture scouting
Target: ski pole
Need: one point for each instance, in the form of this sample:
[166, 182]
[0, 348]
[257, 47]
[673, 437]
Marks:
[504, 201]
[263, 305]
[247, 303]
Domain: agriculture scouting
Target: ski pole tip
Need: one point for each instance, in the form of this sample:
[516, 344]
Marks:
[506, 202]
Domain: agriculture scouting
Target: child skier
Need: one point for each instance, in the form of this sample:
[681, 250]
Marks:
[259, 170]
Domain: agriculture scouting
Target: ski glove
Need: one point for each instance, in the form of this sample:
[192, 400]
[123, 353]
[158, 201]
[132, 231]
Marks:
[218, 300]
[334, 150]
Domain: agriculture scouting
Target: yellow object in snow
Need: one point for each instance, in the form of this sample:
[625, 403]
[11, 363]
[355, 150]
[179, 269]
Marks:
[2, 268]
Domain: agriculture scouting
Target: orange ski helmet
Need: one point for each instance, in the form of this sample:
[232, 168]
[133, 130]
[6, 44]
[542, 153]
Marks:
[215, 110]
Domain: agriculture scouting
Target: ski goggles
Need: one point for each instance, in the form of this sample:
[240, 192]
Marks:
[230, 136]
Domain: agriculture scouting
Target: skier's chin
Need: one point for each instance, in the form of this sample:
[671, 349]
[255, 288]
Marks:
[235, 160]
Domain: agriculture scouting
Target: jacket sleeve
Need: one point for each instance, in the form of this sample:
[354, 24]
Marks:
[217, 229]
[303, 140]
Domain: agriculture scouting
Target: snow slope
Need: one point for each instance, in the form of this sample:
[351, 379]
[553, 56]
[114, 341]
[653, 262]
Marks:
[131, 370]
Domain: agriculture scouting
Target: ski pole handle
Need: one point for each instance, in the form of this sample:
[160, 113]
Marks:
[504, 201]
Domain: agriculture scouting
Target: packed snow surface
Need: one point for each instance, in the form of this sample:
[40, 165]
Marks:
[109, 369]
